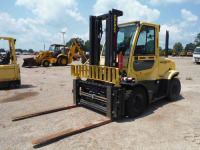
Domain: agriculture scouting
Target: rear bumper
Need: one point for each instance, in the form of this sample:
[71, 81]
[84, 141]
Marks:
[100, 96]
[196, 59]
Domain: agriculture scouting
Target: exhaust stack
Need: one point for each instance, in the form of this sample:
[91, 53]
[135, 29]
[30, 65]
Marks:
[166, 43]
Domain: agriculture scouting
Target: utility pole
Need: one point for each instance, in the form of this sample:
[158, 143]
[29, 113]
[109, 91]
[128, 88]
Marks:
[63, 33]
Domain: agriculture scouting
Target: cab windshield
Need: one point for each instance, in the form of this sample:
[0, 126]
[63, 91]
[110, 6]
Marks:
[197, 51]
[56, 48]
[125, 37]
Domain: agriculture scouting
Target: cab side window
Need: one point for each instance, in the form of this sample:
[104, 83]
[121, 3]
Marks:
[146, 42]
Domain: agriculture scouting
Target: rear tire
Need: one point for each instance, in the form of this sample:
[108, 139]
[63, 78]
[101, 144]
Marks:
[45, 63]
[174, 89]
[136, 102]
[62, 61]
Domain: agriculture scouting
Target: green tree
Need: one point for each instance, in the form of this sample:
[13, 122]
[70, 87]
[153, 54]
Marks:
[19, 50]
[87, 46]
[30, 51]
[70, 42]
[79, 41]
[190, 46]
[24, 50]
[178, 47]
[2, 50]
[170, 51]
[197, 40]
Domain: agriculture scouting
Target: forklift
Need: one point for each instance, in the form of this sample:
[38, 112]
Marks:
[123, 78]
[129, 74]
[9, 69]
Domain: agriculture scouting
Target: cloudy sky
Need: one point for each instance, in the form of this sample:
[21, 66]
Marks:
[37, 22]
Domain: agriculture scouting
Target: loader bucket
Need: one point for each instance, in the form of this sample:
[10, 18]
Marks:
[29, 62]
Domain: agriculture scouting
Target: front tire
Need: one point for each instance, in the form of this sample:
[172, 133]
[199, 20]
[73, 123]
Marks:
[45, 63]
[62, 61]
[136, 102]
[174, 89]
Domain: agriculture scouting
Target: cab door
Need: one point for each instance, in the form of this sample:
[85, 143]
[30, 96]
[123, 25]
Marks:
[144, 60]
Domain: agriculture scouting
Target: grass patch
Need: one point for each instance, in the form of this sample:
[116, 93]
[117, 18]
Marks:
[62, 85]
[41, 89]
[188, 78]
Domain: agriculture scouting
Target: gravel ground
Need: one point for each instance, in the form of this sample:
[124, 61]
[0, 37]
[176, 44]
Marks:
[164, 125]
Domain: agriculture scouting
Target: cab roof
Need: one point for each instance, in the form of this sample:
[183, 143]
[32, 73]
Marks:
[57, 45]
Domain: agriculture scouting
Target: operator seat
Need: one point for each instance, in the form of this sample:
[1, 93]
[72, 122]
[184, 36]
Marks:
[5, 60]
[55, 54]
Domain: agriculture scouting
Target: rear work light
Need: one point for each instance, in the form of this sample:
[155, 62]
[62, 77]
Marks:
[127, 79]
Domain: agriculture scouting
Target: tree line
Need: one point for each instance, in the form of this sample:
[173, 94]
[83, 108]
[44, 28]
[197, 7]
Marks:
[190, 46]
[18, 50]
[85, 46]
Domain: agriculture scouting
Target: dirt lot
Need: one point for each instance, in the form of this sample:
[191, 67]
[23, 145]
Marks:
[164, 125]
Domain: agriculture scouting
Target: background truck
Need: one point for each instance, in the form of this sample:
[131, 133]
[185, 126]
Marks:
[9, 69]
[196, 55]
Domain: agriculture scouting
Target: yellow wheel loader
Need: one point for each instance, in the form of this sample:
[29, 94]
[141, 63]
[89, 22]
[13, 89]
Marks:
[174, 53]
[57, 55]
[190, 53]
[9, 69]
[123, 78]
[183, 53]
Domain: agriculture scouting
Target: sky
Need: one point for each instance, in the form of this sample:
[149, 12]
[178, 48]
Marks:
[37, 22]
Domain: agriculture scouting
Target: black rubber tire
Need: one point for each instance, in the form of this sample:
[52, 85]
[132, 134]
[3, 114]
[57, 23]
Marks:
[55, 64]
[45, 63]
[12, 85]
[174, 89]
[60, 61]
[136, 102]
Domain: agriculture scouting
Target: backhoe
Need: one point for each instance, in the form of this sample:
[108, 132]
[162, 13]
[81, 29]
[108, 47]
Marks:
[57, 55]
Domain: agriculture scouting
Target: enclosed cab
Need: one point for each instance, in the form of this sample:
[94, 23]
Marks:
[196, 55]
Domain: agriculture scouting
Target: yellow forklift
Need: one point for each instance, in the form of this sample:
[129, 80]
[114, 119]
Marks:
[123, 78]
[9, 69]
[57, 55]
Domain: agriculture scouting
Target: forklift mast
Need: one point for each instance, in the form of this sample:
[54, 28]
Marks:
[110, 37]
